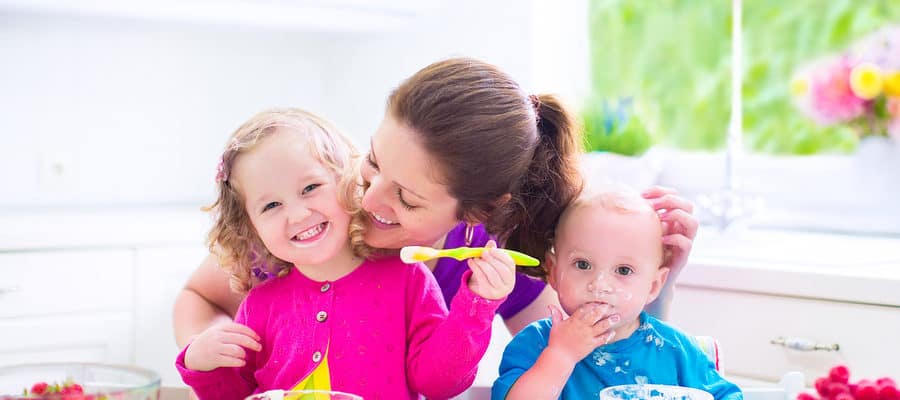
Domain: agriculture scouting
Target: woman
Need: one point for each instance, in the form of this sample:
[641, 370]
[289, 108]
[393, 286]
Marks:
[462, 155]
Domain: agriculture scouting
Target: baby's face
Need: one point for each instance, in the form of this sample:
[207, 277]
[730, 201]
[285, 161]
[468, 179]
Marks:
[608, 257]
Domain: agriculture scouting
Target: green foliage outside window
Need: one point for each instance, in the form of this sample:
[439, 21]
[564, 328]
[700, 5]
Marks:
[661, 71]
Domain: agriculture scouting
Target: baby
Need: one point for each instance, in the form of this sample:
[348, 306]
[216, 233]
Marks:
[605, 266]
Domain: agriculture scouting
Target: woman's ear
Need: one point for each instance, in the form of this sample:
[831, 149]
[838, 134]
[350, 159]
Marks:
[658, 282]
[549, 265]
[502, 200]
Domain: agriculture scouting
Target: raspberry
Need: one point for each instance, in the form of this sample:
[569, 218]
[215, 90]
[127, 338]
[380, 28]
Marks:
[822, 386]
[835, 388]
[886, 381]
[843, 396]
[866, 391]
[839, 374]
[888, 392]
[806, 396]
[39, 388]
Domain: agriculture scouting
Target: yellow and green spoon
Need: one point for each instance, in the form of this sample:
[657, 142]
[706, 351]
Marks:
[412, 254]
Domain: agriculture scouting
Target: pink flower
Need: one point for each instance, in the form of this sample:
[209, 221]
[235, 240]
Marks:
[831, 98]
[894, 129]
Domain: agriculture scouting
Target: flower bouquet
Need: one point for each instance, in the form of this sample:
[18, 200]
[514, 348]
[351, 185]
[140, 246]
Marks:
[859, 87]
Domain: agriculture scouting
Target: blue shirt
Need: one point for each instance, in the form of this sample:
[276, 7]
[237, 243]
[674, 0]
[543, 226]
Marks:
[655, 353]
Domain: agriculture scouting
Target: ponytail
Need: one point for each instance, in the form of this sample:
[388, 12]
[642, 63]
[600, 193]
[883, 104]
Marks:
[552, 181]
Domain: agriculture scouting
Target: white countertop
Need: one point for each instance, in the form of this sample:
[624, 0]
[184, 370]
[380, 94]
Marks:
[812, 265]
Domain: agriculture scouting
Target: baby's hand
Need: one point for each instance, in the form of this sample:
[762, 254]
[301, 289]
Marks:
[577, 336]
[221, 346]
[493, 274]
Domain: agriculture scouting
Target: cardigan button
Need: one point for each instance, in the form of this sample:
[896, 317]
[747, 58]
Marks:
[325, 287]
[321, 316]
[317, 356]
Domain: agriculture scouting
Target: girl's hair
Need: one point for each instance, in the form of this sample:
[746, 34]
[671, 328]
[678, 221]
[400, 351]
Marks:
[232, 237]
[490, 138]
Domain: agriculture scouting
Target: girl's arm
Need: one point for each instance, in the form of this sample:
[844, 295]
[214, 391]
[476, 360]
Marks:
[205, 301]
[443, 350]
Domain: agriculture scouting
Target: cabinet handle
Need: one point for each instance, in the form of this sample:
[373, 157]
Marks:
[9, 289]
[803, 344]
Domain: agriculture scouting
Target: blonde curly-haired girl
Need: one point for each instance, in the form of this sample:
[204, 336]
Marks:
[331, 316]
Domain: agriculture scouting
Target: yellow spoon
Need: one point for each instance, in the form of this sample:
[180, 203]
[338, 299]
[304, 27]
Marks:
[411, 254]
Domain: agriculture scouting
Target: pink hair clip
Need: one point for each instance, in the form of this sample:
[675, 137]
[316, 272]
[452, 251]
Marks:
[221, 173]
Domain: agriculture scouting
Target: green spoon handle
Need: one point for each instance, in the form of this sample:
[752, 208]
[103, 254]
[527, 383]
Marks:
[462, 253]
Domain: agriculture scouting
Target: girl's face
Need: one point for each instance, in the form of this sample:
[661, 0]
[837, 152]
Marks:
[291, 199]
[406, 203]
[610, 258]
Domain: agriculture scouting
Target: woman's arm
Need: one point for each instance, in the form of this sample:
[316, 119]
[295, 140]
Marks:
[205, 301]
[537, 309]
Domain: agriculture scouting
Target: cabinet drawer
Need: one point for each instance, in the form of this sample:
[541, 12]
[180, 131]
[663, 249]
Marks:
[103, 338]
[55, 282]
[745, 323]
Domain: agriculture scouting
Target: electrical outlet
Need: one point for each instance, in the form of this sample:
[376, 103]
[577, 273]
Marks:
[56, 171]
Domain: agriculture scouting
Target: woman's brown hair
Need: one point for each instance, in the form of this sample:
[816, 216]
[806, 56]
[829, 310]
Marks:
[490, 138]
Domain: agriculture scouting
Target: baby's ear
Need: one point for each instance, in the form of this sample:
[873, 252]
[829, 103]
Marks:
[658, 282]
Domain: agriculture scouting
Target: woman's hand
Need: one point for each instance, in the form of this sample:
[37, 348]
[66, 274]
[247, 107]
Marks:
[221, 346]
[493, 274]
[574, 337]
[679, 225]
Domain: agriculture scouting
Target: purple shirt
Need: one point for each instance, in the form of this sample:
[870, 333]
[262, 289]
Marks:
[448, 273]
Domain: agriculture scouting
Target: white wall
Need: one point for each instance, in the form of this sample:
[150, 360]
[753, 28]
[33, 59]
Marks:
[117, 111]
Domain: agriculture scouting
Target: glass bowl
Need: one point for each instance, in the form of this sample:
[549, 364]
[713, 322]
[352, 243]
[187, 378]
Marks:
[303, 395]
[99, 381]
[653, 392]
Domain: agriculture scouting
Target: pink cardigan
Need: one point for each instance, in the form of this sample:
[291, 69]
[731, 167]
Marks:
[384, 329]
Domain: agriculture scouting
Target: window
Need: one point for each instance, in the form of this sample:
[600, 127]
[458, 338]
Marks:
[662, 78]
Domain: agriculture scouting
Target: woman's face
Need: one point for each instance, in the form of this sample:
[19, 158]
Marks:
[406, 203]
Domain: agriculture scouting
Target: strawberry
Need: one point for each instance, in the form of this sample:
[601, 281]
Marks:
[76, 388]
[39, 388]
[839, 374]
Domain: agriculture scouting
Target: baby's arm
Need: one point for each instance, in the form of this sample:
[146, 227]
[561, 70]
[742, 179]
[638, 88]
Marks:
[444, 350]
[219, 364]
[571, 339]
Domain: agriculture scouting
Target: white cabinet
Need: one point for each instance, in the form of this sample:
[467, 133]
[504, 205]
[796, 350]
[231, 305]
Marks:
[67, 306]
[96, 286]
[745, 324]
[161, 273]
[105, 337]
[833, 291]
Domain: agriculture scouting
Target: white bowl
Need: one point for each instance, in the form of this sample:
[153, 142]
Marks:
[653, 392]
